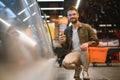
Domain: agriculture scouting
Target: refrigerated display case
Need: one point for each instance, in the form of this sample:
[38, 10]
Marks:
[25, 45]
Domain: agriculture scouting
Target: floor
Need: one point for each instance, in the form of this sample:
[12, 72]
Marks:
[101, 72]
[50, 70]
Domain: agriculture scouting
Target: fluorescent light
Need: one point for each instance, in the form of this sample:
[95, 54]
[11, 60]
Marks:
[26, 2]
[34, 14]
[6, 23]
[46, 16]
[77, 4]
[26, 18]
[1, 4]
[47, 21]
[29, 17]
[52, 8]
[49, 16]
[22, 11]
[49, 0]
[60, 16]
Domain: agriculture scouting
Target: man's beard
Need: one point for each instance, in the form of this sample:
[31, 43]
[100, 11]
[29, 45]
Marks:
[73, 21]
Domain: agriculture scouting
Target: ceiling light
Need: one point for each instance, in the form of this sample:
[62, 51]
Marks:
[4, 22]
[46, 16]
[49, 0]
[52, 8]
[77, 4]
[60, 16]
[49, 16]
[47, 21]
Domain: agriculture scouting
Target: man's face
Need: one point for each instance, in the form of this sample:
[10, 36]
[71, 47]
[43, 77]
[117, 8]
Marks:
[72, 16]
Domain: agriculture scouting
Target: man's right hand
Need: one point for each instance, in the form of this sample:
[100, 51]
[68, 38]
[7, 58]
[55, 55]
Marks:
[62, 39]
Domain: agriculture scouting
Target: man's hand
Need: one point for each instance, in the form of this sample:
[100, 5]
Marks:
[84, 46]
[62, 39]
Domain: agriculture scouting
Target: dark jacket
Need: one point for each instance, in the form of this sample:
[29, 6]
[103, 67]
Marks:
[85, 33]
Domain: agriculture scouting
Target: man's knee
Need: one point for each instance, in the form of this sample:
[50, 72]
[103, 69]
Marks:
[64, 64]
[68, 65]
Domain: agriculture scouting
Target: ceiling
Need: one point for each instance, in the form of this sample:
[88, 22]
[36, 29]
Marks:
[51, 4]
[100, 11]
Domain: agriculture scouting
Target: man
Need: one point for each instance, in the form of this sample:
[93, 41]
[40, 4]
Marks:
[79, 37]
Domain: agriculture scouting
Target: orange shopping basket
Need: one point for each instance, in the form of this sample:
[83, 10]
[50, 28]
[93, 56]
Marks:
[97, 54]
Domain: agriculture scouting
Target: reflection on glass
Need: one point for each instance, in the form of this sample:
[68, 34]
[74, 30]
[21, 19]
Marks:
[25, 48]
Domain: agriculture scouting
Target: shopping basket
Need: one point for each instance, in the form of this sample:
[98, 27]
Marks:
[97, 54]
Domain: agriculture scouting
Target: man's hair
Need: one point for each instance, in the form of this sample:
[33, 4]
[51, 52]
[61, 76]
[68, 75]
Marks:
[72, 8]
